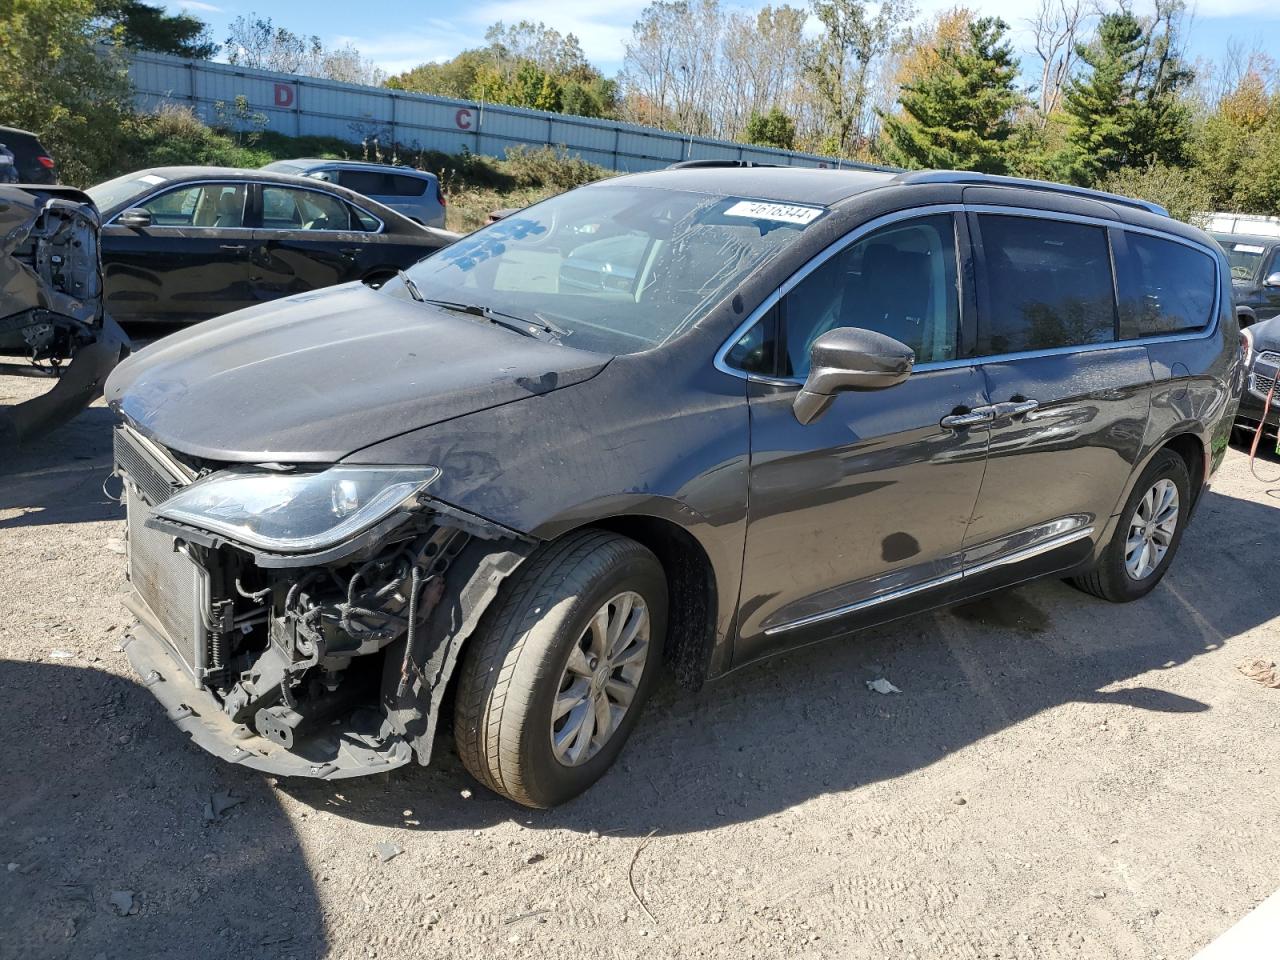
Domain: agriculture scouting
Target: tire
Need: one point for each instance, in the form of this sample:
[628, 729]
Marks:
[1111, 577]
[518, 667]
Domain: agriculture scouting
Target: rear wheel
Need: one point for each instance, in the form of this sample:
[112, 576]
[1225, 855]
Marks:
[1147, 535]
[552, 684]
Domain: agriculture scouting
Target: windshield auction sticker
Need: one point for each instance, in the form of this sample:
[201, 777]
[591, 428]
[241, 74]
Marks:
[779, 212]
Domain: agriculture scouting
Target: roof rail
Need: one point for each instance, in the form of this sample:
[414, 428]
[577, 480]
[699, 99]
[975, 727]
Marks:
[993, 180]
[689, 164]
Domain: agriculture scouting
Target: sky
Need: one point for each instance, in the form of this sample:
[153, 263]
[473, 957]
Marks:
[399, 34]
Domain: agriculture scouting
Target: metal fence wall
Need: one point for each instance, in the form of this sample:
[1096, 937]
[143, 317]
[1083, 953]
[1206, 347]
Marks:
[308, 106]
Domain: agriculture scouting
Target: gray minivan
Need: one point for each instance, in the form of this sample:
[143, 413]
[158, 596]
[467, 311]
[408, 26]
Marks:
[414, 193]
[677, 420]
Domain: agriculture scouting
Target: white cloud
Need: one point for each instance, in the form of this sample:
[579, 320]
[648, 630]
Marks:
[195, 6]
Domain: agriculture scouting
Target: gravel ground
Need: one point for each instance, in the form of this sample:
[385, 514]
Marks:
[1058, 778]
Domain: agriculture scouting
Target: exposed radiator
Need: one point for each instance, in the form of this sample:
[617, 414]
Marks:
[175, 589]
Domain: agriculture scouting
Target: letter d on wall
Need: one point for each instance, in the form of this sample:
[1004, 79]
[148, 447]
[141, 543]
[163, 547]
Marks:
[284, 95]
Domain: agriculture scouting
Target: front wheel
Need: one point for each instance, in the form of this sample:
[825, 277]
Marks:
[1147, 535]
[552, 684]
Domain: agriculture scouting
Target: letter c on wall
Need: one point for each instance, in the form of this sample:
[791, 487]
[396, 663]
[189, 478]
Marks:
[463, 119]
[284, 95]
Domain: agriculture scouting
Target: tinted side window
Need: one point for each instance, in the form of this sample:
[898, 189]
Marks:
[364, 181]
[1048, 284]
[755, 350]
[900, 281]
[1165, 287]
[403, 186]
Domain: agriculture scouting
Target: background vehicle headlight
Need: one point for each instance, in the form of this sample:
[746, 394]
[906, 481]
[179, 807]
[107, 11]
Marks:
[295, 512]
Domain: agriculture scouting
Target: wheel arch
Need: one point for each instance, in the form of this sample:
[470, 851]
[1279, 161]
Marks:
[691, 590]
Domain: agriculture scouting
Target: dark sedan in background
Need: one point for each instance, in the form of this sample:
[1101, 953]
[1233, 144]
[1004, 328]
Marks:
[183, 244]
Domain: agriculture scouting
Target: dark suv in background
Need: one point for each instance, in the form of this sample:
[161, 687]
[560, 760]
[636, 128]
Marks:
[688, 418]
[32, 161]
[1255, 275]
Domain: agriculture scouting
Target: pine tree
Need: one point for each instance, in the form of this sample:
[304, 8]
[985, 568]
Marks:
[1125, 112]
[958, 114]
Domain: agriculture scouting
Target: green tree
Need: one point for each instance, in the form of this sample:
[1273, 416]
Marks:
[958, 114]
[842, 61]
[54, 82]
[144, 26]
[1126, 110]
[772, 129]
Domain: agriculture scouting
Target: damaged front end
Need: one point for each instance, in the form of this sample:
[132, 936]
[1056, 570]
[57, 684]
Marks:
[328, 658]
[51, 305]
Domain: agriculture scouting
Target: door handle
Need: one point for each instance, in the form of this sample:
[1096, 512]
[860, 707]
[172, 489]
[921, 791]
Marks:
[232, 246]
[1016, 408]
[975, 417]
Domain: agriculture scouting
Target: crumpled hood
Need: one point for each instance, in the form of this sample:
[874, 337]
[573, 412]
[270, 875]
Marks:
[312, 378]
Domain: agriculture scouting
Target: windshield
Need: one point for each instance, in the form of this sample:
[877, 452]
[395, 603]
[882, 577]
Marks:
[618, 268]
[121, 190]
[283, 166]
[1243, 257]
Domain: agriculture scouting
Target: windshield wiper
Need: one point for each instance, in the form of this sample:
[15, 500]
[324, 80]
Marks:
[411, 287]
[541, 329]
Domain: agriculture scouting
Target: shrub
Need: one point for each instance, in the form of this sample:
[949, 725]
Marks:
[1181, 191]
[550, 167]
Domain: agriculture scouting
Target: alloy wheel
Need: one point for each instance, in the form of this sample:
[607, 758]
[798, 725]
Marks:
[1151, 529]
[600, 679]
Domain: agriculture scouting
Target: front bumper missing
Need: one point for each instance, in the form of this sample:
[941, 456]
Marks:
[352, 749]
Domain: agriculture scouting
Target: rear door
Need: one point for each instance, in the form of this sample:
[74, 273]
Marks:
[1070, 400]
[308, 239]
[189, 264]
[858, 515]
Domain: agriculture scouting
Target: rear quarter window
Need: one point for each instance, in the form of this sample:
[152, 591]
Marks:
[1164, 286]
[403, 186]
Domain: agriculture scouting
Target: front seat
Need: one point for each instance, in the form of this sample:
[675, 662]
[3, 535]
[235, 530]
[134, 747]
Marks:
[230, 210]
[890, 294]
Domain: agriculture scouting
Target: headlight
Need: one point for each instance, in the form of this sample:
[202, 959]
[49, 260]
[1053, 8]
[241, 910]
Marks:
[295, 512]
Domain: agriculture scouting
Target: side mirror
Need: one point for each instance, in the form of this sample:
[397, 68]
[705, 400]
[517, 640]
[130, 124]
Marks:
[1273, 280]
[849, 358]
[135, 217]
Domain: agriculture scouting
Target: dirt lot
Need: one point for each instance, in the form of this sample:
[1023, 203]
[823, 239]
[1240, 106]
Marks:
[1058, 778]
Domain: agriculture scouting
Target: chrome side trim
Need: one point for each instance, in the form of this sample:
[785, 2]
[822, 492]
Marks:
[863, 604]
[1026, 553]
[818, 259]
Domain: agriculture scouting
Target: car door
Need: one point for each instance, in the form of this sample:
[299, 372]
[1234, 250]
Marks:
[1070, 397]
[191, 262]
[307, 239]
[860, 514]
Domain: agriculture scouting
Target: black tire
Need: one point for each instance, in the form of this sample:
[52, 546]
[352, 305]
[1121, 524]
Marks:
[1109, 579]
[511, 672]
